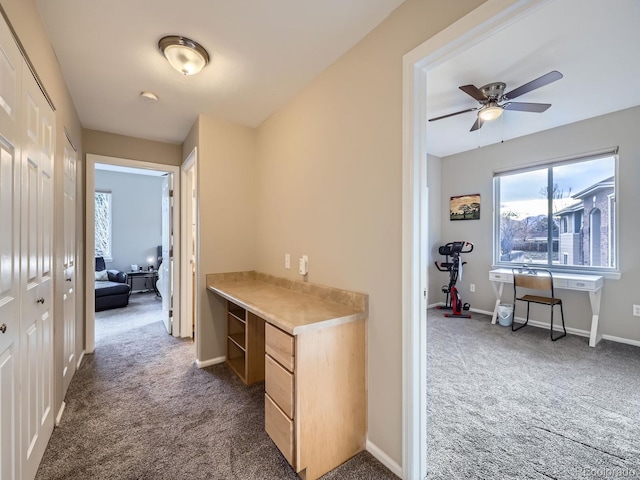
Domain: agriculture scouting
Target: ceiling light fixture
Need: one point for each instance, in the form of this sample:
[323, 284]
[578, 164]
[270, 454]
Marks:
[185, 55]
[490, 111]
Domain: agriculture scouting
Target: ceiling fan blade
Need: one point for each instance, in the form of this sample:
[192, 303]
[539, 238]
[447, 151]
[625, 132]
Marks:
[452, 114]
[533, 84]
[526, 107]
[477, 125]
[474, 91]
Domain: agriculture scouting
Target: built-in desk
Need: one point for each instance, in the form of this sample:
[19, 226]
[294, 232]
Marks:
[307, 342]
[591, 284]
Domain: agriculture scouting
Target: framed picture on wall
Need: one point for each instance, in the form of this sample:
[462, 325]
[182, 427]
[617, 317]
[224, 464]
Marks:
[465, 207]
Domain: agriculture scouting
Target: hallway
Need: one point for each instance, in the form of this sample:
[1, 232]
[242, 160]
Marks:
[138, 408]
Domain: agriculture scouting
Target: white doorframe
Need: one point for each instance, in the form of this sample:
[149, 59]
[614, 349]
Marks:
[477, 25]
[91, 160]
[187, 288]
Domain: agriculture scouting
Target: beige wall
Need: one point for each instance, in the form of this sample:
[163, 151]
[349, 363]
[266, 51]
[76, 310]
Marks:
[618, 296]
[227, 234]
[26, 22]
[329, 185]
[131, 148]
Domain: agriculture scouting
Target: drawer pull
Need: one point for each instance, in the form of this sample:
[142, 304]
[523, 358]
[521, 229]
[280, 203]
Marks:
[580, 284]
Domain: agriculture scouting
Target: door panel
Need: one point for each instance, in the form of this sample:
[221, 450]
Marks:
[10, 88]
[166, 273]
[36, 342]
[68, 297]
[8, 417]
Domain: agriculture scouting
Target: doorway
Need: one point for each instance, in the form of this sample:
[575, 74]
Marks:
[478, 24]
[171, 274]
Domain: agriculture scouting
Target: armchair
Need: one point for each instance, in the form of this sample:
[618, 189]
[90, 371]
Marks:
[112, 289]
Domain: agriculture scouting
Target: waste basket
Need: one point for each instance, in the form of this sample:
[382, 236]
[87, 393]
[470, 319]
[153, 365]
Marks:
[505, 314]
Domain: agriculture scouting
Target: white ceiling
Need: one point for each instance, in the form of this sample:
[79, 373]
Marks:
[263, 52]
[593, 43]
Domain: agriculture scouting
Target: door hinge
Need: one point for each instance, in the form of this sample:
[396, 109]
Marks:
[171, 313]
[170, 193]
[424, 293]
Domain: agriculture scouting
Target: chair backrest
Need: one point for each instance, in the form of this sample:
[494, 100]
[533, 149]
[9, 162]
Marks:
[533, 278]
[100, 265]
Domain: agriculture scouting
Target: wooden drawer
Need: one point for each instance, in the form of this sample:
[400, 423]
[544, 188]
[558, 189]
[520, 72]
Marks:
[279, 427]
[279, 345]
[279, 385]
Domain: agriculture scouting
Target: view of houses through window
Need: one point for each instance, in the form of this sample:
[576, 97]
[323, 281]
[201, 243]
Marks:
[558, 214]
[103, 224]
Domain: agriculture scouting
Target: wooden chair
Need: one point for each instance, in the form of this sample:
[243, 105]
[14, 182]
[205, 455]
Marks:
[535, 279]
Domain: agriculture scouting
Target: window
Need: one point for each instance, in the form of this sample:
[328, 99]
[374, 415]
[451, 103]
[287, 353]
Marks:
[103, 224]
[558, 215]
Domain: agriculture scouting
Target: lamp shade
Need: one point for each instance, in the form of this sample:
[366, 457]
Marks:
[490, 112]
[183, 54]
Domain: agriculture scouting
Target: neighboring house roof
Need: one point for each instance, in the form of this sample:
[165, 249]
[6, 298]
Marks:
[576, 207]
[606, 183]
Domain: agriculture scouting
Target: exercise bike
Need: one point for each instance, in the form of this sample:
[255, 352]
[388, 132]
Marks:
[453, 264]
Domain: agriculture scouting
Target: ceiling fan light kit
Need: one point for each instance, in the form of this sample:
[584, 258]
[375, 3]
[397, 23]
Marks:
[491, 95]
[185, 55]
[489, 112]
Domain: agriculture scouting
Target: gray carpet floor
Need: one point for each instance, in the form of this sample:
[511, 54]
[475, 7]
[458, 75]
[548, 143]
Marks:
[138, 408]
[515, 405]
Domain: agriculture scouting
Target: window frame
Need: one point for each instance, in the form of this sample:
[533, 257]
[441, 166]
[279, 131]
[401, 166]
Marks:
[107, 256]
[609, 271]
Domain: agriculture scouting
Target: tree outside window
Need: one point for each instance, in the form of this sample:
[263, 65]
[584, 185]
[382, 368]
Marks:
[103, 224]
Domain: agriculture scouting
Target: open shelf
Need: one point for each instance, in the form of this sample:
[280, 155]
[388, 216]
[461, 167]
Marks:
[236, 359]
[236, 311]
[238, 339]
[245, 343]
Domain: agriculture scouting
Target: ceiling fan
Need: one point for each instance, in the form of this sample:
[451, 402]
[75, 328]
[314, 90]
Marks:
[491, 95]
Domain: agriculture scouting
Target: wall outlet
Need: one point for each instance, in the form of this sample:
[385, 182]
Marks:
[472, 287]
[303, 265]
[287, 261]
[636, 310]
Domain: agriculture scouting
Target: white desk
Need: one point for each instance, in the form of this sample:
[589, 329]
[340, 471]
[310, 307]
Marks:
[592, 284]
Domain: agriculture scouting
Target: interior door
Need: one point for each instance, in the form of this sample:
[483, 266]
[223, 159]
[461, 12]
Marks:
[10, 64]
[36, 330]
[165, 284]
[69, 265]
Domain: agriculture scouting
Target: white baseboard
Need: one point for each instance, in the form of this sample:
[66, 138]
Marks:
[476, 310]
[80, 358]
[621, 340]
[556, 327]
[208, 363]
[59, 416]
[484, 312]
[383, 458]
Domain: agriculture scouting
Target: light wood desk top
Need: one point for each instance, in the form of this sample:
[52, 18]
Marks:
[288, 309]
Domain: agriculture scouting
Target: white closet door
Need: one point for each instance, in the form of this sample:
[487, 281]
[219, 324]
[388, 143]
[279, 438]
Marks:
[36, 332]
[69, 295]
[10, 67]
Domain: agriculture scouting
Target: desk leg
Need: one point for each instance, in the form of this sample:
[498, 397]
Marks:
[594, 298]
[497, 290]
